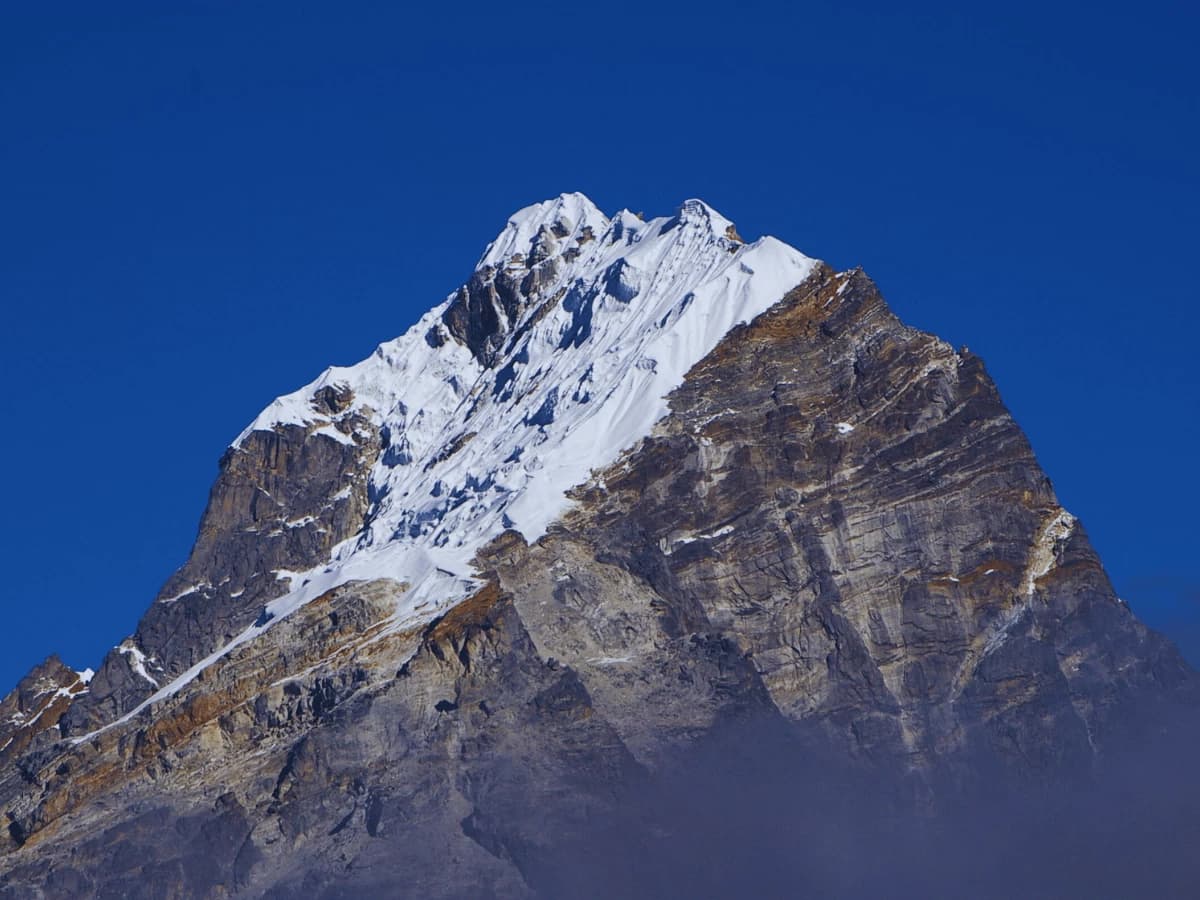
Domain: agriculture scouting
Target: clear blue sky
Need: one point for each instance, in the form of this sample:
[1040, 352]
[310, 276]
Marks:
[204, 204]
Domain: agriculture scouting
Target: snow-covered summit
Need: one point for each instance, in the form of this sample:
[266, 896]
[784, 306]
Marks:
[573, 214]
[555, 357]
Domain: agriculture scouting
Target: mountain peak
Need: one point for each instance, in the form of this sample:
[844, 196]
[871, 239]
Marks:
[566, 217]
[699, 214]
[553, 359]
[568, 221]
[533, 555]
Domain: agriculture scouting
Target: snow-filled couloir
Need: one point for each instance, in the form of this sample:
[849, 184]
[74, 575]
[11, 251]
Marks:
[556, 356]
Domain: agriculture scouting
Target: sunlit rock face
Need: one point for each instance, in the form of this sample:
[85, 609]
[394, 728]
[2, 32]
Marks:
[647, 542]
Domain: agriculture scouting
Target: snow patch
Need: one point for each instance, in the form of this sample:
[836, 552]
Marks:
[1045, 550]
[137, 660]
[191, 589]
[1002, 630]
[331, 431]
[668, 546]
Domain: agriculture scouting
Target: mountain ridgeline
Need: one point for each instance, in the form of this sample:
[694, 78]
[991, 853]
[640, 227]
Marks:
[651, 562]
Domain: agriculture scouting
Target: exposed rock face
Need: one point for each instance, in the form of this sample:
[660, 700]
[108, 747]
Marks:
[836, 546]
[282, 500]
[849, 501]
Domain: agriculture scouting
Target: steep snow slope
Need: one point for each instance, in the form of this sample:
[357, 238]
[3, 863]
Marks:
[616, 312]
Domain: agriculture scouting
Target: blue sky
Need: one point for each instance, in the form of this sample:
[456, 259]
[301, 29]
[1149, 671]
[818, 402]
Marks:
[204, 204]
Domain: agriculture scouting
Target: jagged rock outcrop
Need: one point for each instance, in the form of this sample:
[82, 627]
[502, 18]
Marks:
[283, 499]
[398, 660]
[37, 704]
